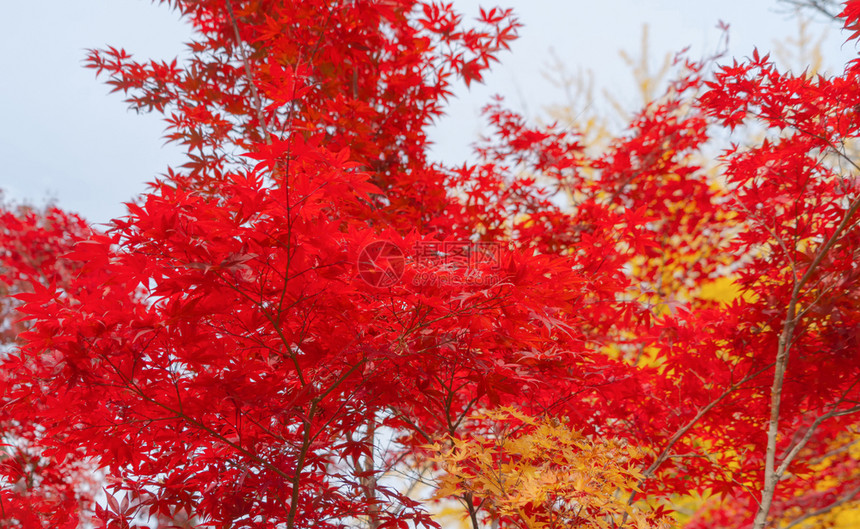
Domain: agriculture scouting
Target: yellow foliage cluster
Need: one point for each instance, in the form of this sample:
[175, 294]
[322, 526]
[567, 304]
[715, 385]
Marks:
[540, 473]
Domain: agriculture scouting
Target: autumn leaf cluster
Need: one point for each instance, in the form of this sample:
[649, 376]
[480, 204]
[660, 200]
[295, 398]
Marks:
[543, 350]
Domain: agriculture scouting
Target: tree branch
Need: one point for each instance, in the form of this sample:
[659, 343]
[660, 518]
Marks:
[258, 106]
[849, 496]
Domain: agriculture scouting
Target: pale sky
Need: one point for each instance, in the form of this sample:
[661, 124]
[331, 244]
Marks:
[64, 138]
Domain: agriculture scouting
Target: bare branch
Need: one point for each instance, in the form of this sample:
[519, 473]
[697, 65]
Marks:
[828, 8]
[258, 106]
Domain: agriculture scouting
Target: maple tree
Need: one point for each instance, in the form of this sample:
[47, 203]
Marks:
[32, 242]
[308, 308]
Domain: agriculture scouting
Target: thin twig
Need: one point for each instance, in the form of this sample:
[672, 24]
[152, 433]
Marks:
[258, 106]
[824, 510]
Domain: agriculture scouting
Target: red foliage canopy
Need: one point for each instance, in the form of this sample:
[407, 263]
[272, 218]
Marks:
[234, 351]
